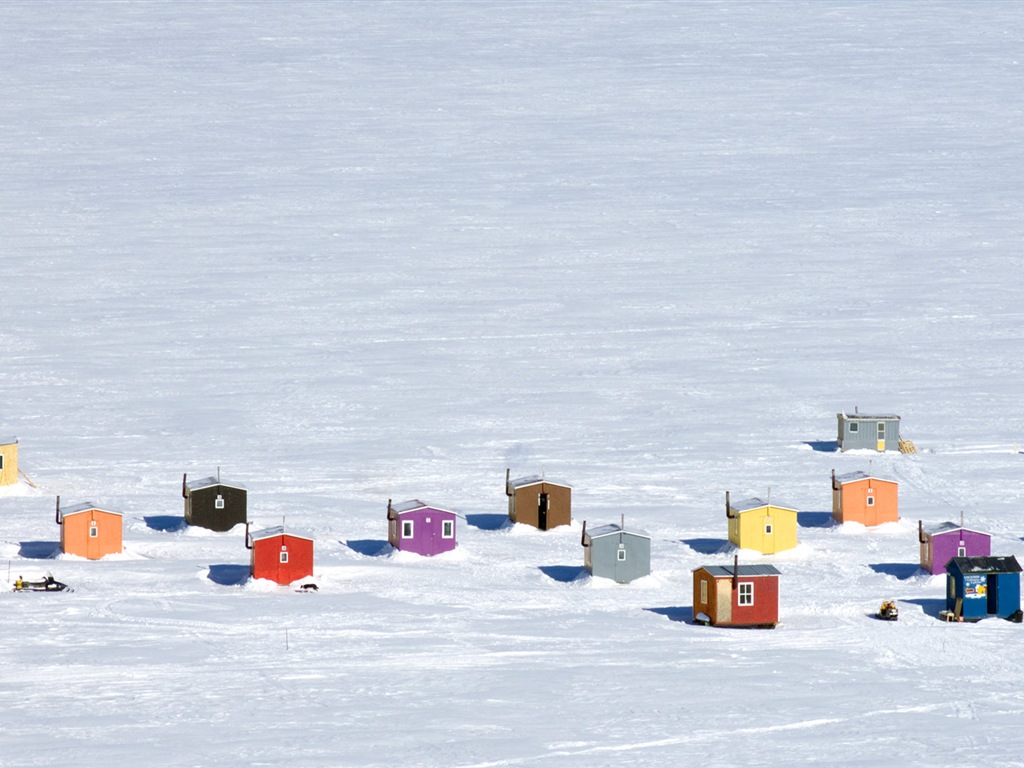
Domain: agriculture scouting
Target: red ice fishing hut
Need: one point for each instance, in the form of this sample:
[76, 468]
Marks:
[736, 595]
[278, 556]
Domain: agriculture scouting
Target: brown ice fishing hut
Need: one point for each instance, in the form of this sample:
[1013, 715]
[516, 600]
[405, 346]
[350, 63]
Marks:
[538, 501]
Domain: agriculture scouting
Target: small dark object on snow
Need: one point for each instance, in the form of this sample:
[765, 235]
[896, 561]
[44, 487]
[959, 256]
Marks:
[309, 587]
[43, 585]
[889, 611]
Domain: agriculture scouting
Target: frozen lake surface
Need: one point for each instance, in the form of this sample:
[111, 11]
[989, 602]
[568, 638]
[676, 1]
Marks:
[349, 252]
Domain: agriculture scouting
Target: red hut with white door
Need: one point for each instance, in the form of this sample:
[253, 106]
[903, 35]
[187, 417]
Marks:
[278, 556]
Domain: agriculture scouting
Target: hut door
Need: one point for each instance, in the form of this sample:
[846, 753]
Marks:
[542, 511]
[992, 591]
[881, 436]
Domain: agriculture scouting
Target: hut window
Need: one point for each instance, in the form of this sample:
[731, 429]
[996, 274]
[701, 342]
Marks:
[881, 430]
[746, 593]
[1, 462]
[407, 529]
[703, 591]
[767, 529]
[871, 500]
[854, 426]
[447, 529]
[961, 551]
[94, 531]
[219, 503]
[284, 555]
[621, 554]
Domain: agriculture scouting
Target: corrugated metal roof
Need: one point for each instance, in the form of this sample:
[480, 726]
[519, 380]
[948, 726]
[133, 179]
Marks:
[755, 503]
[852, 477]
[743, 570]
[1006, 564]
[413, 504]
[869, 417]
[946, 527]
[207, 482]
[277, 530]
[612, 528]
[522, 482]
[8, 441]
[84, 507]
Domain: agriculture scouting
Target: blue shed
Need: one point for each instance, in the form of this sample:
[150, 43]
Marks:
[978, 587]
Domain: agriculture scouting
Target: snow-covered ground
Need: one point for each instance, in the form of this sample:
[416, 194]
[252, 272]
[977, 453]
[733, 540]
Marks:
[357, 251]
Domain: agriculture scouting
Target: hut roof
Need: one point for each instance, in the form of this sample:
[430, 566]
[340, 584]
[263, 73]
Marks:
[755, 503]
[742, 570]
[869, 417]
[522, 482]
[853, 477]
[8, 441]
[85, 507]
[208, 482]
[613, 528]
[1007, 564]
[277, 530]
[948, 527]
[414, 504]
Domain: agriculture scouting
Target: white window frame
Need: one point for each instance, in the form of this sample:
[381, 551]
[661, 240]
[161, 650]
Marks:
[704, 591]
[621, 554]
[218, 502]
[871, 500]
[854, 426]
[407, 529]
[284, 555]
[745, 593]
[768, 528]
[961, 551]
[881, 430]
[447, 529]
[94, 531]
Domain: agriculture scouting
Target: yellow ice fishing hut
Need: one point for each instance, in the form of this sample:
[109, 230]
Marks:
[761, 525]
[8, 460]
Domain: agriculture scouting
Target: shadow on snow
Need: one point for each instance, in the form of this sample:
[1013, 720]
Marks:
[563, 573]
[675, 613]
[486, 522]
[825, 446]
[229, 575]
[38, 550]
[707, 546]
[369, 547]
[814, 519]
[931, 606]
[901, 571]
[165, 523]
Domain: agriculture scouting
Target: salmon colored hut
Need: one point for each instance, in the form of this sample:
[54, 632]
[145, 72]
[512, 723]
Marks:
[859, 497]
[88, 531]
[278, 556]
[8, 460]
[736, 595]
